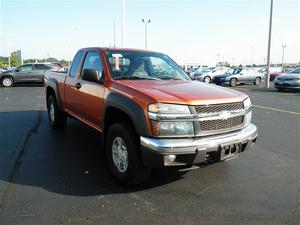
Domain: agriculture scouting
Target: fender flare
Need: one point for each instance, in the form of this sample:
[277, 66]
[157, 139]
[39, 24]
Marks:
[131, 108]
[52, 83]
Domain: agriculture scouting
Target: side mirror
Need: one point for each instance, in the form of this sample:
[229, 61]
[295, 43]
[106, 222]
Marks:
[17, 70]
[92, 75]
[241, 74]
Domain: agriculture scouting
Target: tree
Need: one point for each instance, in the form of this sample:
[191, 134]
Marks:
[14, 61]
[3, 62]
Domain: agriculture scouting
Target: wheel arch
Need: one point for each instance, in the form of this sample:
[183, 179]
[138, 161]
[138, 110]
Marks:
[119, 108]
[51, 88]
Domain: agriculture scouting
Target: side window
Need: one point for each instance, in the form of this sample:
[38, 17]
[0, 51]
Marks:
[76, 64]
[39, 67]
[25, 68]
[92, 61]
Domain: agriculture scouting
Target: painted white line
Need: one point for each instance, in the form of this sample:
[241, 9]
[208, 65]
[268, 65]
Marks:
[277, 110]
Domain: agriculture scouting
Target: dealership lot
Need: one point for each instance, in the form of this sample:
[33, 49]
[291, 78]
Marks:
[60, 177]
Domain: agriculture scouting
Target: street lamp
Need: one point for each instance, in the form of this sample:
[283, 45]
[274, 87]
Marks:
[282, 61]
[146, 22]
[269, 46]
[252, 55]
[218, 55]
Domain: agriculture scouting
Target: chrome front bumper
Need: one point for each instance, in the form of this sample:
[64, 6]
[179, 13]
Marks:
[153, 150]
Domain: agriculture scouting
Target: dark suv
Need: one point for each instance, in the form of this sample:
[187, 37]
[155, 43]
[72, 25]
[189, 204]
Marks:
[27, 73]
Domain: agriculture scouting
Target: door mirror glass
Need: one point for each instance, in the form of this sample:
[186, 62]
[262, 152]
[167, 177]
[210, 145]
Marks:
[92, 75]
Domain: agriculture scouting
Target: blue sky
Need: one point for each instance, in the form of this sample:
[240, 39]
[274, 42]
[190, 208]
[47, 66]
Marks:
[189, 31]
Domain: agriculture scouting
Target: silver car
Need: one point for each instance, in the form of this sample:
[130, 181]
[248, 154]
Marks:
[289, 81]
[208, 75]
[239, 75]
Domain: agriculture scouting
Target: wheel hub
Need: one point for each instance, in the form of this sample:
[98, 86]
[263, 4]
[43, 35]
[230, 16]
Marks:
[120, 154]
[7, 82]
[51, 112]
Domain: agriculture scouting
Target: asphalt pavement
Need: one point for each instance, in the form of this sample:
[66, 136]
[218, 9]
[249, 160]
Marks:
[60, 177]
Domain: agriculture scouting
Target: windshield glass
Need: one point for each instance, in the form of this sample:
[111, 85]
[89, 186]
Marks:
[135, 65]
[297, 70]
[236, 70]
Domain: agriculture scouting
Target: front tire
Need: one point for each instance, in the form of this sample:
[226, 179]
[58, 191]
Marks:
[57, 118]
[233, 82]
[7, 82]
[122, 149]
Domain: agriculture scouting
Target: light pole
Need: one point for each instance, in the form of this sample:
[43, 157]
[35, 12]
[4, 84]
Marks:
[146, 23]
[269, 46]
[252, 55]
[114, 33]
[123, 23]
[282, 61]
[218, 55]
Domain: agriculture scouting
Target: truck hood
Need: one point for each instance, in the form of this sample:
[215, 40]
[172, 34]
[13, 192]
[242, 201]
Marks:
[183, 92]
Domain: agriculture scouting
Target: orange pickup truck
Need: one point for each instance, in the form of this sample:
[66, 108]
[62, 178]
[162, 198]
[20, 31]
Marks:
[149, 112]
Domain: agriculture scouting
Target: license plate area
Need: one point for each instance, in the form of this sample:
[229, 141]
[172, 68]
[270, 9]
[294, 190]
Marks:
[229, 151]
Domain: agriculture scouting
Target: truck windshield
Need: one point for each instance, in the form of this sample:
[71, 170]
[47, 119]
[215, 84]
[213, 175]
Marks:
[135, 65]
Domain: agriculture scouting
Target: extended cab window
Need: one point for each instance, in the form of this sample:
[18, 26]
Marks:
[93, 61]
[76, 64]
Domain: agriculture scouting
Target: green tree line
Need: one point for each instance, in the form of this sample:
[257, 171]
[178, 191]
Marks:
[15, 62]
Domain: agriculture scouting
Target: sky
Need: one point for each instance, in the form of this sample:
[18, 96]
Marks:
[190, 31]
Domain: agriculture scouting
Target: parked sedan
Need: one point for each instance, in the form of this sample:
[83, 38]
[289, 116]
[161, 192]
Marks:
[28, 73]
[208, 76]
[289, 81]
[239, 75]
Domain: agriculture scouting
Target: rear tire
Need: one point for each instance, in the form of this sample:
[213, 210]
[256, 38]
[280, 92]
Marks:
[257, 81]
[233, 82]
[122, 149]
[207, 79]
[7, 82]
[57, 118]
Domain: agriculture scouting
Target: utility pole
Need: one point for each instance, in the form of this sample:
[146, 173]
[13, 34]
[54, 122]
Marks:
[114, 33]
[123, 23]
[252, 55]
[282, 61]
[269, 47]
[218, 55]
[146, 23]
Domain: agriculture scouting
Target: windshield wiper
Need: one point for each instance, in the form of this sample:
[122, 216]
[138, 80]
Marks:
[166, 77]
[136, 78]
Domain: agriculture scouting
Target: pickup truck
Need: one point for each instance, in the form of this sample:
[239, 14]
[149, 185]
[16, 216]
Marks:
[148, 112]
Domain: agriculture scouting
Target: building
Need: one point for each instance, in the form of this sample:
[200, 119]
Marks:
[19, 56]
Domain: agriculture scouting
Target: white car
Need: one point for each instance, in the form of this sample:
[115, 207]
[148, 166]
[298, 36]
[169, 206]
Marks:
[207, 76]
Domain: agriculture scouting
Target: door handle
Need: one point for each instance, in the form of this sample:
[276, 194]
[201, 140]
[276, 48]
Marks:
[78, 85]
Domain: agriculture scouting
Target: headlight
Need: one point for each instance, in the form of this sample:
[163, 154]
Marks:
[161, 108]
[160, 113]
[247, 103]
[171, 129]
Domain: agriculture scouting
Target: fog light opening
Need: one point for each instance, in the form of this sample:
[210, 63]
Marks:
[169, 159]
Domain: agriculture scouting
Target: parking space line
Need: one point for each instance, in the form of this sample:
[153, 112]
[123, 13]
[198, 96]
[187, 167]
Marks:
[278, 110]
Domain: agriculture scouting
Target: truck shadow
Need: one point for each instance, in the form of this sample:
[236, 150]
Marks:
[70, 162]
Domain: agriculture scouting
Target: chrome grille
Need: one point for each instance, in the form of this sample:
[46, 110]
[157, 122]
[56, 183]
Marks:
[210, 125]
[219, 107]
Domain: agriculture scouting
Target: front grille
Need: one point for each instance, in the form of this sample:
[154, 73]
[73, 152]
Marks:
[210, 125]
[219, 107]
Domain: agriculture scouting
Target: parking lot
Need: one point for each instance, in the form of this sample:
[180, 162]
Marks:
[60, 177]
